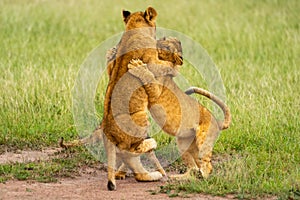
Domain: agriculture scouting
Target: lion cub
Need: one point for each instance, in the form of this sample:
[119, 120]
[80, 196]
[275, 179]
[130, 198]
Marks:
[169, 49]
[180, 115]
[125, 121]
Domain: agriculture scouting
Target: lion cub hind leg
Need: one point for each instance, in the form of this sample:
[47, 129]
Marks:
[111, 163]
[206, 137]
[121, 173]
[147, 177]
[188, 148]
[154, 159]
[140, 173]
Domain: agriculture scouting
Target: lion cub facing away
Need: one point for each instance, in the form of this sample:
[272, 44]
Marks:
[125, 121]
[169, 49]
[180, 115]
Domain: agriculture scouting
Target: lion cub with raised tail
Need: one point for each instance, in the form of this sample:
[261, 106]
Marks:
[180, 115]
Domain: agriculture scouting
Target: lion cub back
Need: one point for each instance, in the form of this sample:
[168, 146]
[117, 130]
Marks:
[139, 33]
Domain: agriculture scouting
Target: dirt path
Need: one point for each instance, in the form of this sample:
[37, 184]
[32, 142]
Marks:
[87, 186]
[91, 184]
[28, 156]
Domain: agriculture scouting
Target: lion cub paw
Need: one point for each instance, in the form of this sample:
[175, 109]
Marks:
[136, 63]
[193, 173]
[111, 54]
[120, 175]
[146, 177]
[146, 146]
[139, 69]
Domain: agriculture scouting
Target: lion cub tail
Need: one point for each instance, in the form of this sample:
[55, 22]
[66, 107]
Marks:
[217, 100]
[95, 137]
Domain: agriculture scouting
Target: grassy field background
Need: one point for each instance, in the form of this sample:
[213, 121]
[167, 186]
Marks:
[255, 45]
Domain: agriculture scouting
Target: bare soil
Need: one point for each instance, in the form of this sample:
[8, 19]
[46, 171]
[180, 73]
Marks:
[90, 184]
[28, 156]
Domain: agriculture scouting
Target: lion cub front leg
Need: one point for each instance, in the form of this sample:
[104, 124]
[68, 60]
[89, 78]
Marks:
[148, 75]
[163, 68]
[137, 68]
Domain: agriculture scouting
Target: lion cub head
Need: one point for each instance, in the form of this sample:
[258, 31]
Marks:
[140, 19]
[170, 49]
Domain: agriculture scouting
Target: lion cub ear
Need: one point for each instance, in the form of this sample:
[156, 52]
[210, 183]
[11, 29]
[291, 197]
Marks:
[125, 15]
[150, 14]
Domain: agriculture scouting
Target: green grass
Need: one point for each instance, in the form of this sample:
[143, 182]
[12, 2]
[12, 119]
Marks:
[68, 164]
[255, 45]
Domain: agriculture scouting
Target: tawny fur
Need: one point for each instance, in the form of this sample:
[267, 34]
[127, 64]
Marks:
[195, 134]
[125, 123]
[180, 115]
[145, 43]
[168, 49]
[138, 42]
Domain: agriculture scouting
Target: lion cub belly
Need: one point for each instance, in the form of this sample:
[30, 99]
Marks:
[174, 111]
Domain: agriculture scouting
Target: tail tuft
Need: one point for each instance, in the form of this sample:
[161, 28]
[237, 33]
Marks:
[61, 143]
